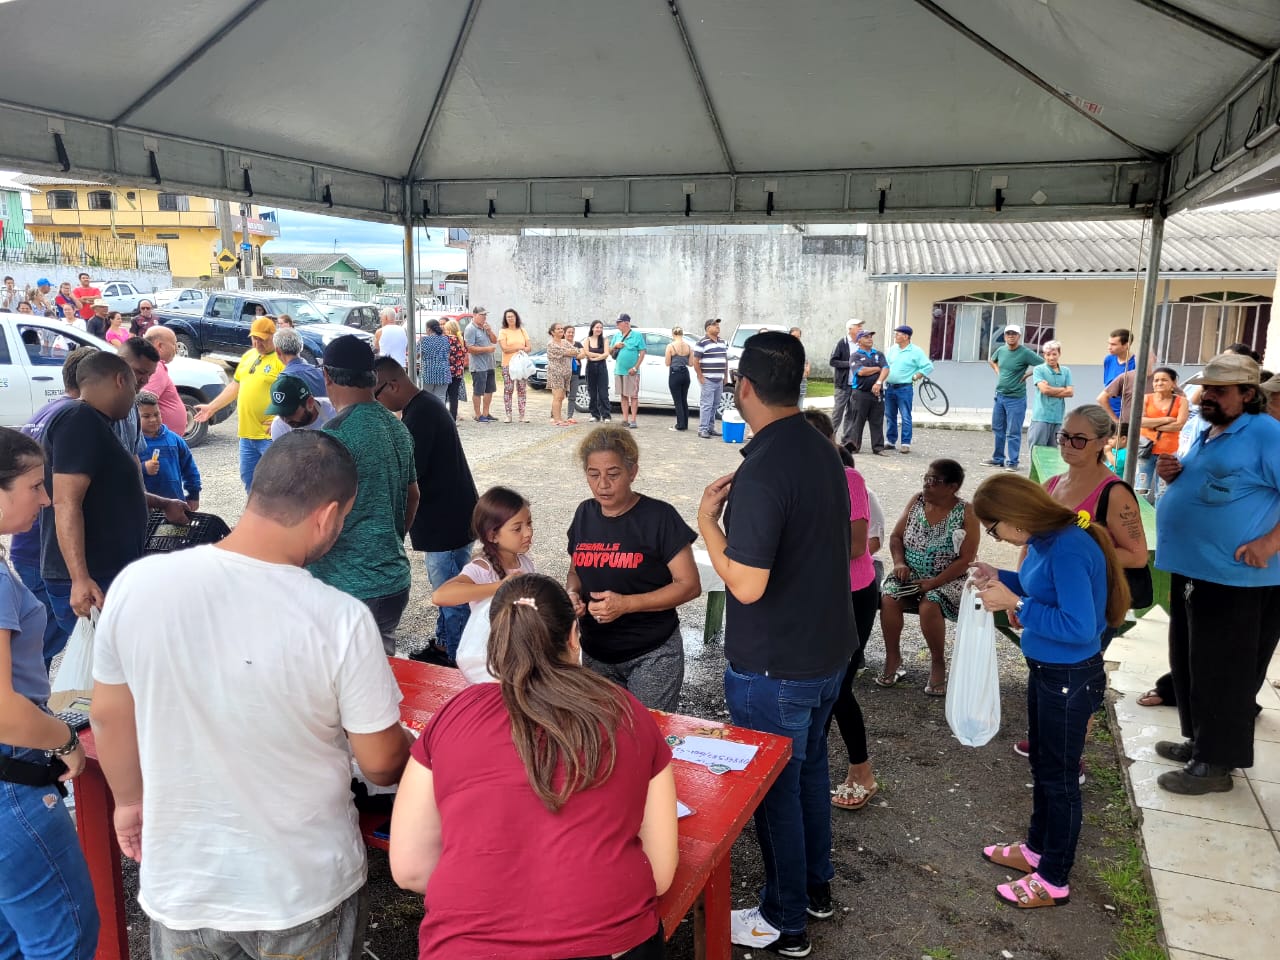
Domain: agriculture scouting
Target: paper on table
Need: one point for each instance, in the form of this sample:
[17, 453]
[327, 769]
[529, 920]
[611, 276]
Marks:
[683, 809]
[711, 752]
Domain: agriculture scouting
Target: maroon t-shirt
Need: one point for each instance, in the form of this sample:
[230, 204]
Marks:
[519, 882]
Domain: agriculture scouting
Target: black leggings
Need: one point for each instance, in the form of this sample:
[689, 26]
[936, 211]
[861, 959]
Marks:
[451, 396]
[598, 388]
[847, 713]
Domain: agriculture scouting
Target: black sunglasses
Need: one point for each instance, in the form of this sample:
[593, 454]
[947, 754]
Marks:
[1078, 441]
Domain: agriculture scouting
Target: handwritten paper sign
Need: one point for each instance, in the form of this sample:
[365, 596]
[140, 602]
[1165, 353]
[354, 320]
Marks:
[719, 755]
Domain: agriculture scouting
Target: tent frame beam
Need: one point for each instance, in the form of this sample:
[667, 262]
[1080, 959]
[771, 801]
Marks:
[696, 65]
[1206, 27]
[239, 17]
[1031, 75]
[446, 81]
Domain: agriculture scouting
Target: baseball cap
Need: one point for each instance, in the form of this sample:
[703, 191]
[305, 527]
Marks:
[904, 329]
[1271, 386]
[1226, 369]
[1013, 328]
[263, 328]
[853, 322]
[349, 353]
[288, 393]
[864, 332]
[43, 282]
[710, 323]
[624, 318]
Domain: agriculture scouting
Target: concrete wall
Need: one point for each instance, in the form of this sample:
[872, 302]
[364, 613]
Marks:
[26, 274]
[667, 279]
[1087, 311]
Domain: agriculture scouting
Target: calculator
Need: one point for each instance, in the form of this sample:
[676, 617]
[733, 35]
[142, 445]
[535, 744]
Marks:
[74, 719]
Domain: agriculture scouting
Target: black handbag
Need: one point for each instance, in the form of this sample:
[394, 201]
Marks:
[1141, 591]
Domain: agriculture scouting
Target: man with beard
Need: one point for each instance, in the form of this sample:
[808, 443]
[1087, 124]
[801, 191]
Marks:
[1218, 533]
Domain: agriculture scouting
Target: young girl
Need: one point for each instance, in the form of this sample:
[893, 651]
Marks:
[117, 332]
[505, 528]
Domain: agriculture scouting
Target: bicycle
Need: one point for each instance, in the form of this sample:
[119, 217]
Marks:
[933, 397]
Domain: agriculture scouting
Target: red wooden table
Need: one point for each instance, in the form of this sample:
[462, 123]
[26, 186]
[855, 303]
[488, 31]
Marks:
[723, 804]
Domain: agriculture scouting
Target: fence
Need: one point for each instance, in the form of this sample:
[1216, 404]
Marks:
[103, 253]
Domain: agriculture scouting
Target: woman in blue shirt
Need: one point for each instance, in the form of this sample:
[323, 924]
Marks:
[1068, 590]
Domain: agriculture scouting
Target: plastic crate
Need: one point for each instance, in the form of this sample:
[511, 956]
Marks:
[165, 537]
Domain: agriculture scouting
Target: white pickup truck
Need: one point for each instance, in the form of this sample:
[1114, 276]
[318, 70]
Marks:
[31, 353]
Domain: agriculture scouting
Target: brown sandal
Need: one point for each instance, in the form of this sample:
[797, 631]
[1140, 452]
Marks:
[1009, 855]
[1151, 698]
[1029, 893]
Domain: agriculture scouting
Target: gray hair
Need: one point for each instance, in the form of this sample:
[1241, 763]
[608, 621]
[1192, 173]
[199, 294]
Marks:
[1050, 345]
[288, 341]
[387, 312]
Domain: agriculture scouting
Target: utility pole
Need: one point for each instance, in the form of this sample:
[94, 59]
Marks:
[228, 243]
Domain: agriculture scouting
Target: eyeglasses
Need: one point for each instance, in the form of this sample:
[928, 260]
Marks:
[144, 308]
[991, 530]
[931, 480]
[1078, 441]
[378, 389]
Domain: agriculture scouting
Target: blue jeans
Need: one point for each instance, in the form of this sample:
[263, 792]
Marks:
[46, 901]
[442, 566]
[55, 638]
[793, 823]
[897, 400]
[708, 401]
[1060, 699]
[1006, 424]
[251, 452]
[59, 594]
[1145, 478]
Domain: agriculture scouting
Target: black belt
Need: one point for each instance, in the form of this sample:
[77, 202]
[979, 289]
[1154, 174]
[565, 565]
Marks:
[33, 774]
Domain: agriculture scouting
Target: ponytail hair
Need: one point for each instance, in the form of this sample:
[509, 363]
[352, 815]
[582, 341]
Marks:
[1016, 500]
[564, 718]
[496, 506]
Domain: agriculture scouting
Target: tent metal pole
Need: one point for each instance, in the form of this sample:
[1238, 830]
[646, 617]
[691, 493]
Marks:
[455, 57]
[410, 299]
[701, 81]
[1145, 345]
[1206, 27]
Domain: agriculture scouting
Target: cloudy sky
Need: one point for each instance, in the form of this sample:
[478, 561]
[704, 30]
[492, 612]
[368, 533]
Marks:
[375, 245]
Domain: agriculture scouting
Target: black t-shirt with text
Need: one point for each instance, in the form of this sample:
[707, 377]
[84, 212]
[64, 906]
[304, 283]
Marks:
[81, 440]
[448, 492]
[626, 554]
[788, 513]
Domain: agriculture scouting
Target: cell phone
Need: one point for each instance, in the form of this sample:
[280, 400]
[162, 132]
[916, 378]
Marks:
[383, 830]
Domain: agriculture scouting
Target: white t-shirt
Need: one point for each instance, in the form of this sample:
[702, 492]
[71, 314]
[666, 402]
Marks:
[279, 428]
[875, 525]
[244, 681]
[479, 571]
[394, 343]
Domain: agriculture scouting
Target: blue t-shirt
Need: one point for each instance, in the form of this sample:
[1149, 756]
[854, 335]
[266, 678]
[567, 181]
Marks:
[1227, 494]
[1112, 368]
[632, 346]
[309, 374]
[1064, 582]
[1049, 409]
[24, 617]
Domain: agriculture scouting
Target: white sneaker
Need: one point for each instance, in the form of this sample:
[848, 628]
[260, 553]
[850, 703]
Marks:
[749, 929]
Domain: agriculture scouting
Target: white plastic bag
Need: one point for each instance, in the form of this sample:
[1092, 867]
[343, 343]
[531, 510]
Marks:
[520, 367]
[76, 670]
[973, 690]
[473, 650]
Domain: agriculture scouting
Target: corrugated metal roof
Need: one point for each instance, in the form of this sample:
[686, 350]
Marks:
[312, 262]
[1194, 242]
[40, 180]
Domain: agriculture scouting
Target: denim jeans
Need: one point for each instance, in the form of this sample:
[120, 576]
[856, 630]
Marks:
[1145, 478]
[55, 638]
[387, 612]
[1060, 699]
[708, 400]
[1006, 424]
[897, 401]
[46, 901]
[442, 566]
[59, 594]
[337, 934]
[793, 823]
[251, 452]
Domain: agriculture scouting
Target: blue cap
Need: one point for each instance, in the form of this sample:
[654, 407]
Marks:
[43, 282]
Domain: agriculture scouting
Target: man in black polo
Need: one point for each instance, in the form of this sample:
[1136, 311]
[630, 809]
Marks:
[868, 370]
[790, 630]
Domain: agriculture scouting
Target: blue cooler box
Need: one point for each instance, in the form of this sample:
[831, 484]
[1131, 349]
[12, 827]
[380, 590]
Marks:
[733, 431]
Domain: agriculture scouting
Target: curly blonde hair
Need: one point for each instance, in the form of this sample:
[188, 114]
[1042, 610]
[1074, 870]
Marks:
[610, 440]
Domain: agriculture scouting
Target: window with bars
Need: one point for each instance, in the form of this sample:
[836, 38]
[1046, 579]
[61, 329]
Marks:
[61, 199]
[1199, 327]
[970, 328]
[101, 200]
[173, 202]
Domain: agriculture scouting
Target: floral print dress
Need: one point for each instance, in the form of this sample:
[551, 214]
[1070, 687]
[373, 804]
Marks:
[931, 549]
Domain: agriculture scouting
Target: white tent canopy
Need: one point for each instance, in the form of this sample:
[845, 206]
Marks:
[543, 112]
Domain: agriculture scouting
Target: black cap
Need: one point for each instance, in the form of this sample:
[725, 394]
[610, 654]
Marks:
[349, 353]
[624, 318]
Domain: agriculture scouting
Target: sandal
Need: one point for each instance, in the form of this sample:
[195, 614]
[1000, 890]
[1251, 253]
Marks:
[1029, 893]
[898, 675]
[852, 796]
[931, 691]
[1009, 855]
[1151, 698]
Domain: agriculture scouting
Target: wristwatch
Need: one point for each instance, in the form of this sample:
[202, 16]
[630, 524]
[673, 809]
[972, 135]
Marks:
[1017, 607]
[68, 747]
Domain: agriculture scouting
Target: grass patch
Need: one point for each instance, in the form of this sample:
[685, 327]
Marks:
[820, 388]
[939, 953]
[1123, 874]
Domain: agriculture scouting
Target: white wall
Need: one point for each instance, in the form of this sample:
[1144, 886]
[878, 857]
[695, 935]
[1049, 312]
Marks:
[668, 279]
[26, 274]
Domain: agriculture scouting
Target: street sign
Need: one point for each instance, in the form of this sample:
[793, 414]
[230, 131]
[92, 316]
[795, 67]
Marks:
[226, 259]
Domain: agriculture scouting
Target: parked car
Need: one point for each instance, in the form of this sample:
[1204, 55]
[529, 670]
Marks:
[741, 334]
[654, 391]
[32, 350]
[189, 299]
[122, 295]
[351, 313]
[222, 330]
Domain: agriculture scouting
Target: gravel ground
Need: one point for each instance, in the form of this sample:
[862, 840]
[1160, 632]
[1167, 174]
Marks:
[910, 880]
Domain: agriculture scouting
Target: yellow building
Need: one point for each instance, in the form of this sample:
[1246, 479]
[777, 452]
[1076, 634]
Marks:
[68, 210]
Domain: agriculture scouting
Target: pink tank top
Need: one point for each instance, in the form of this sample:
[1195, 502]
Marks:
[1089, 503]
